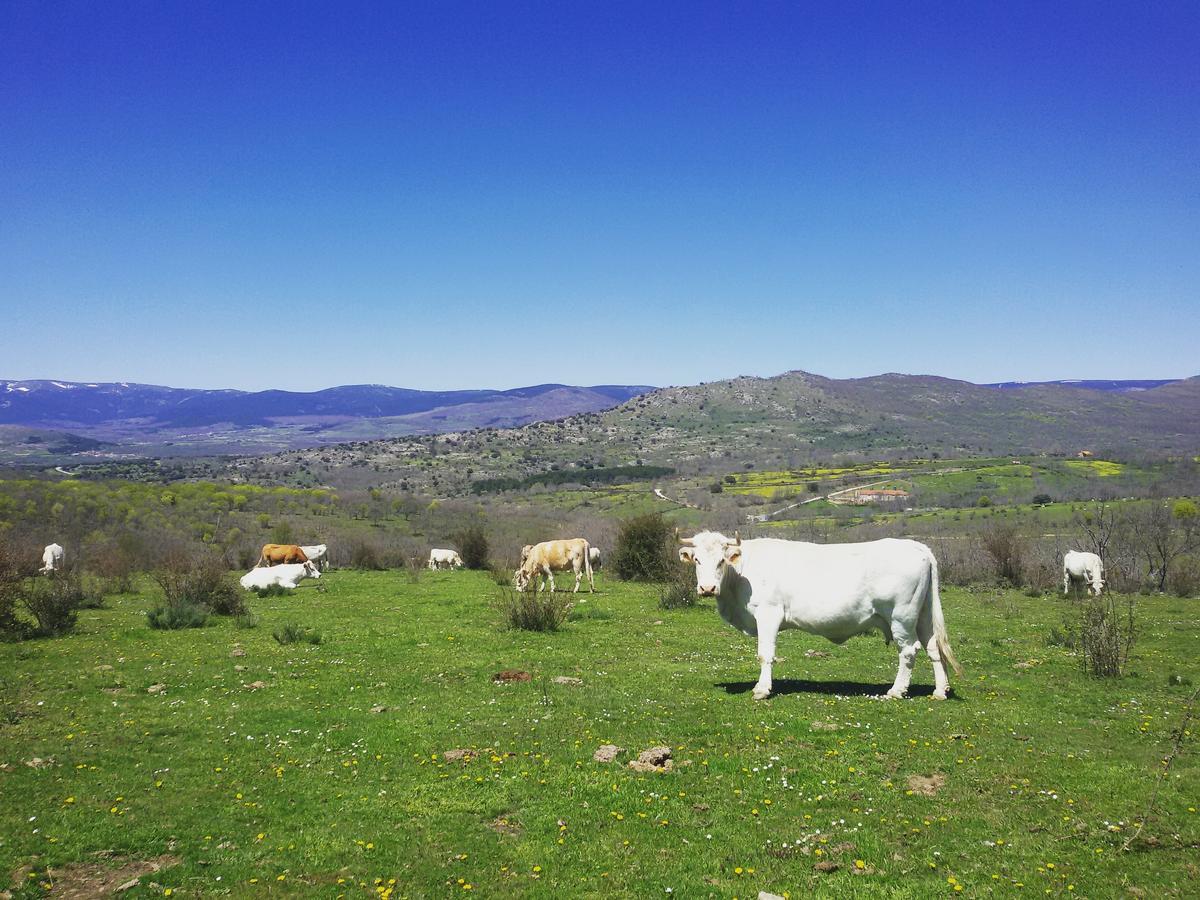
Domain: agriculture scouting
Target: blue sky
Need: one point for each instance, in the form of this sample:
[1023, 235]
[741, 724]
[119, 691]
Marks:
[444, 195]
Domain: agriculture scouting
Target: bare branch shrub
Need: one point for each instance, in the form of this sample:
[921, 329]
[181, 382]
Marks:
[1106, 634]
[1006, 547]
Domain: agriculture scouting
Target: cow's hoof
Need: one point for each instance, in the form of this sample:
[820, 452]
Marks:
[760, 694]
[894, 695]
[939, 695]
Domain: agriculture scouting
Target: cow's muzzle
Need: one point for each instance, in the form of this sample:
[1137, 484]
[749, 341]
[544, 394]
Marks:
[707, 591]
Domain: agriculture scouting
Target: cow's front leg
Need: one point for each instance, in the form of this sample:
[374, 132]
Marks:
[768, 621]
[1066, 583]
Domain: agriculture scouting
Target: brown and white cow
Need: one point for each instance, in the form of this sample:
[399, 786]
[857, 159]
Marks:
[548, 557]
[277, 554]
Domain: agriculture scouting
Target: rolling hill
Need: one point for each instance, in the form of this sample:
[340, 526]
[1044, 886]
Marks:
[784, 421]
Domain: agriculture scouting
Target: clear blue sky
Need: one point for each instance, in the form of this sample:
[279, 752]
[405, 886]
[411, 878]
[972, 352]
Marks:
[442, 195]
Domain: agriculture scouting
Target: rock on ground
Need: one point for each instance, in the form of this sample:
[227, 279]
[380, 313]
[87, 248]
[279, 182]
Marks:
[656, 759]
[607, 753]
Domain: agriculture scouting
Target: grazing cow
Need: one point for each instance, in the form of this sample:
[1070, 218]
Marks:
[1081, 568]
[548, 557]
[835, 590]
[52, 559]
[286, 575]
[318, 554]
[594, 557]
[278, 554]
[445, 559]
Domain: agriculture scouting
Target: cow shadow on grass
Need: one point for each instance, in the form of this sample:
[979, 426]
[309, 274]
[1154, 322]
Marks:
[827, 688]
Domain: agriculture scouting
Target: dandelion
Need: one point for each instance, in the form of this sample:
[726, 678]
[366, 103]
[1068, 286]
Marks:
[738, 870]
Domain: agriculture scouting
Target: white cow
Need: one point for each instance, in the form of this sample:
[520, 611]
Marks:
[52, 559]
[1080, 568]
[286, 575]
[543, 560]
[445, 559]
[318, 554]
[594, 557]
[834, 590]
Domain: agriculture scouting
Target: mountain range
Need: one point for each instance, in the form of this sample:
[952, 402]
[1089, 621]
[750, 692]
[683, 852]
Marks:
[151, 420]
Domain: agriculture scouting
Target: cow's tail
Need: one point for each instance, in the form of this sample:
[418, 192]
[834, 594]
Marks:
[587, 560]
[939, 623]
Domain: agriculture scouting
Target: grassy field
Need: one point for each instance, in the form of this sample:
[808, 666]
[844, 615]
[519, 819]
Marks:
[305, 770]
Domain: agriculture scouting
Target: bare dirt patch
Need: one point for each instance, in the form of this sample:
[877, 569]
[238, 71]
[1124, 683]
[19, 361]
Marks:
[656, 759]
[926, 785]
[510, 676]
[83, 881]
[606, 753]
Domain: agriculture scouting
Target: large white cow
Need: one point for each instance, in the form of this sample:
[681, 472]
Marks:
[286, 575]
[1080, 568]
[318, 554]
[52, 559]
[445, 559]
[833, 590]
[542, 560]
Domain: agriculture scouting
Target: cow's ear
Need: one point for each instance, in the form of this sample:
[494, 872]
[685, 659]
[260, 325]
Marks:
[687, 554]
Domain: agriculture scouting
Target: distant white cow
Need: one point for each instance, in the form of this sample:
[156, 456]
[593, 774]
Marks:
[594, 557]
[286, 575]
[445, 559]
[836, 591]
[543, 560]
[52, 559]
[318, 554]
[1080, 568]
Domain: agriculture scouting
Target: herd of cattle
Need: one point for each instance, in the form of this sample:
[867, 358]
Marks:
[761, 587]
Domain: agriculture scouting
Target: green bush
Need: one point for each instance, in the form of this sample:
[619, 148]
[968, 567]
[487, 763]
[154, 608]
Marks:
[172, 616]
[531, 611]
[54, 601]
[645, 549]
[291, 633]
[271, 590]
[680, 591]
[473, 546]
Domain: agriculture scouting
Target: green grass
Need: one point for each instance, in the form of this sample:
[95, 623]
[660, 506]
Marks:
[331, 775]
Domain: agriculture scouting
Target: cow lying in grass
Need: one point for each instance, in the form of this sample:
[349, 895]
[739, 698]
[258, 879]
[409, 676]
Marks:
[836, 591]
[286, 575]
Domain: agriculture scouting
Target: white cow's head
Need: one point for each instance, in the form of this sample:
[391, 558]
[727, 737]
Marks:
[711, 552]
[311, 570]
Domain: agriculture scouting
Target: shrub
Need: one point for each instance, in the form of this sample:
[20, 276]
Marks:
[10, 589]
[680, 591]
[118, 562]
[246, 619]
[54, 602]
[272, 590]
[473, 546]
[1006, 548]
[171, 616]
[1064, 637]
[1184, 578]
[531, 611]
[1106, 635]
[193, 586]
[1042, 499]
[644, 549]
[366, 555]
[291, 633]
[984, 501]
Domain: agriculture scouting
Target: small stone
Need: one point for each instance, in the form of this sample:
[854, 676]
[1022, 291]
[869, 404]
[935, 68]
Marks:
[378, 709]
[105, 667]
[815, 654]
[156, 689]
[237, 651]
[255, 685]
[567, 679]
[606, 753]
[825, 726]
[38, 763]
[239, 668]
[456, 755]
[827, 865]
[767, 895]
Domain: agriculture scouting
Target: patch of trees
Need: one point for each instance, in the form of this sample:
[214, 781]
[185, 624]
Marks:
[606, 475]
